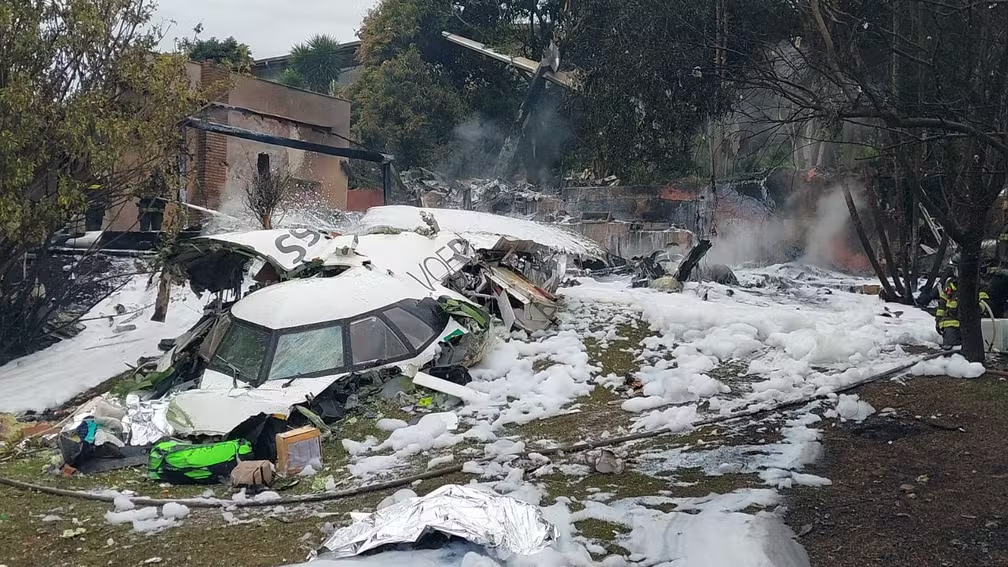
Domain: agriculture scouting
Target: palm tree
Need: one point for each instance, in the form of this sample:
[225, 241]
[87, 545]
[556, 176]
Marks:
[316, 65]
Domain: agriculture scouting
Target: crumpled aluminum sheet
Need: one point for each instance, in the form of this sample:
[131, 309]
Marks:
[501, 524]
[147, 421]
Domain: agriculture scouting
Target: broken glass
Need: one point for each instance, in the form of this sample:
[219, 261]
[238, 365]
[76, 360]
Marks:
[241, 353]
[308, 352]
[417, 332]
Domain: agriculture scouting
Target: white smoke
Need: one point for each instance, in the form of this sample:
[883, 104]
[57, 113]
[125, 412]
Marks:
[791, 235]
[830, 223]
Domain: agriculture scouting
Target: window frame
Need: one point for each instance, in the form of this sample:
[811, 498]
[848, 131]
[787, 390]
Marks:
[407, 346]
[411, 305]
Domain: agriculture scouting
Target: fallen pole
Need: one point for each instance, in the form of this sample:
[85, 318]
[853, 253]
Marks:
[443, 471]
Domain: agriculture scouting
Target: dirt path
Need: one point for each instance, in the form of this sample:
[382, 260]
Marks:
[927, 485]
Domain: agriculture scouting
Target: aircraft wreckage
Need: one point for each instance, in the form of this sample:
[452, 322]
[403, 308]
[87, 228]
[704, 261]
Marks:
[299, 319]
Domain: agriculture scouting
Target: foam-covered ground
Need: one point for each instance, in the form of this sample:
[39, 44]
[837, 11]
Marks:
[800, 333]
[707, 351]
[107, 346]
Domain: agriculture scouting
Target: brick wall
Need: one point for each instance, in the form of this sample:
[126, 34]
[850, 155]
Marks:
[361, 200]
[212, 149]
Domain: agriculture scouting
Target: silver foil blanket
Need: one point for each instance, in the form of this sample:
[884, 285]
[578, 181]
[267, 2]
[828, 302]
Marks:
[501, 524]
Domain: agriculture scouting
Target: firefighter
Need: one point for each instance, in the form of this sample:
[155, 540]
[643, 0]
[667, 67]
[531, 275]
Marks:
[151, 205]
[947, 315]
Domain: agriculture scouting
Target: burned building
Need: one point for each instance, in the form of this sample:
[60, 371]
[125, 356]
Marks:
[216, 167]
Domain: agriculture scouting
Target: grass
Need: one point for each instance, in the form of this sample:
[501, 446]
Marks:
[619, 356]
[203, 538]
[603, 533]
[628, 484]
[985, 390]
[702, 484]
[595, 415]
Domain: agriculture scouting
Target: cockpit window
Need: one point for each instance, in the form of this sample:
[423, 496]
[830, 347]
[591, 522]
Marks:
[252, 354]
[416, 331]
[241, 352]
[372, 340]
[308, 352]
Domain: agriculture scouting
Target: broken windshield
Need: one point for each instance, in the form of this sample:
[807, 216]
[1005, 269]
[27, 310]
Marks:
[372, 340]
[308, 352]
[241, 353]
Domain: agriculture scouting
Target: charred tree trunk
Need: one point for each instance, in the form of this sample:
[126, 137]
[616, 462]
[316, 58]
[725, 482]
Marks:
[866, 243]
[938, 262]
[886, 250]
[913, 247]
[969, 305]
[161, 304]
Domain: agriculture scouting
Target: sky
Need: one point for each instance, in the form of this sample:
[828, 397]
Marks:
[269, 27]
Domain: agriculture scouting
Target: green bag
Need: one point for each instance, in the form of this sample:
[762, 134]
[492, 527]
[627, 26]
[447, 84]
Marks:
[179, 462]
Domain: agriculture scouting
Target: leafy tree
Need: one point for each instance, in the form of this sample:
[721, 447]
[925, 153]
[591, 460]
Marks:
[316, 65]
[488, 91]
[649, 81]
[415, 123]
[292, 78]
[228, 52]
[265, 195]
[85, 112]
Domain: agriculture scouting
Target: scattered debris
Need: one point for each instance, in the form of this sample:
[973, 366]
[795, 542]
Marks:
[72, 532]
[606, 462]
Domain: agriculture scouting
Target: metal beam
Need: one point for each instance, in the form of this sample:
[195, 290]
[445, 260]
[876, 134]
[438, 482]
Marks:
[386, 183]
[235, 132]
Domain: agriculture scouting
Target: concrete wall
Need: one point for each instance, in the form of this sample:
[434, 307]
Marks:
[632, 239]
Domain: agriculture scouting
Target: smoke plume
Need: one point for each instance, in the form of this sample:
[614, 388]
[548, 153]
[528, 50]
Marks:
[816, 235]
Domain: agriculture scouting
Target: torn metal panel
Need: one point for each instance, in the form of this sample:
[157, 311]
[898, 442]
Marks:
[536, 309]
[501, 524]
[216, 412]
[506, 311]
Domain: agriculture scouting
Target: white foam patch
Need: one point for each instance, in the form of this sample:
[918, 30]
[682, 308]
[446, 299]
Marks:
[175, 510]
[98, 353]
[955, 366]
[851, 407]
[116, 518]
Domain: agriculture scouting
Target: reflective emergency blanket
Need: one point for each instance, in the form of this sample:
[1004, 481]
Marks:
[503, 525]
[147, 421]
